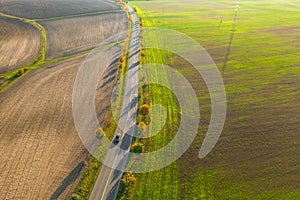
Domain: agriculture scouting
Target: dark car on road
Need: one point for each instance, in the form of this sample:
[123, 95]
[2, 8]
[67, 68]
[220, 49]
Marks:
[117, 138]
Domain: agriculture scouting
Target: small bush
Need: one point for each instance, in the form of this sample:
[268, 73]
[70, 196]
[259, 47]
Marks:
[21, 72]
[142, 127]
[141, 21]
[123, 58]
[120, 65]
[137, 147]
[144, 109]
[75, 197]
[128, 178]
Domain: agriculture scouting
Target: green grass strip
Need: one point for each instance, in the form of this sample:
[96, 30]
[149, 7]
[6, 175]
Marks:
[164, 183]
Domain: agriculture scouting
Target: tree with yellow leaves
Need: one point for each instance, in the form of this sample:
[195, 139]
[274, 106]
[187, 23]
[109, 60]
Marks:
[128, 179]
[144, 109]
[142, 127]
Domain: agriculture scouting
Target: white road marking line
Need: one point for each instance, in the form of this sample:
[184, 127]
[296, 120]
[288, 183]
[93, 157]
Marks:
[136, 39]
[111, 170]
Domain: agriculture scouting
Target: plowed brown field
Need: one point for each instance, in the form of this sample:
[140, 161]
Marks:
[20, 43]
[72, 35]
[36, 9]
[40, 151]
[39, 146]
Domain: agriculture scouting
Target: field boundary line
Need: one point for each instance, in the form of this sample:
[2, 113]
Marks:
[42, 54]
[78, 15]
[40, 61]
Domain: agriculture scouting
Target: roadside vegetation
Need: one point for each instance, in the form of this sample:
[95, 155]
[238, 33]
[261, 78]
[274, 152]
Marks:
[88, 180]
[166, 180]
[92, 171]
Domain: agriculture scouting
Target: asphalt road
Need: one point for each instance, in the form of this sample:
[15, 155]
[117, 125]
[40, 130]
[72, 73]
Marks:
[108, 181]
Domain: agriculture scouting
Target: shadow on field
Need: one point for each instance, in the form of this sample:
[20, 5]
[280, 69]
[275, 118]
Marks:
[233, 30]
[108, 81]
[112, 68]
[73, 175]
[111, 74]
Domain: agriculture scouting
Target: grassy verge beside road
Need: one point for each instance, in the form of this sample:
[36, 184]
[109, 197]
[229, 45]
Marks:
[258, 143]
[93, 168]
[164, 183]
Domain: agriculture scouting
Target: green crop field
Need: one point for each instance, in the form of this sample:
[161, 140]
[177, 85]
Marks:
[257, 156]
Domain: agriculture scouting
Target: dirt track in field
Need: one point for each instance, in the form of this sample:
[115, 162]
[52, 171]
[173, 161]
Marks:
[41, 154]
[73, 35]
[20, 43]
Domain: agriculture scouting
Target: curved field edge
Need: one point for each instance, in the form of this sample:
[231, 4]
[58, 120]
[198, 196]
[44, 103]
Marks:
[9, 78]
[12, 76]
[72, 35]
[263, 89]
[20, 44]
